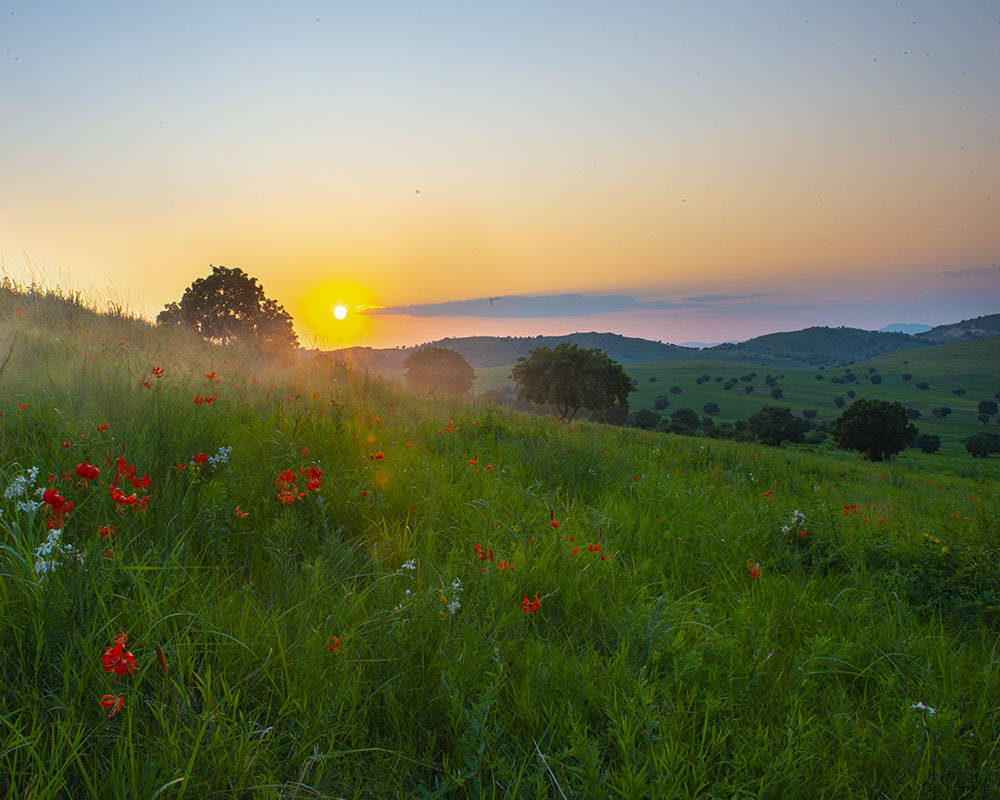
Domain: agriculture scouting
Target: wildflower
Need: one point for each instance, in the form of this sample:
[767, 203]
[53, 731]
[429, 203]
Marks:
[65, 443]
[768, 493]
[221, 457]
[146, 384]
[919, 706]
[849, 509]
[87, 472]
[474, 460]
[552, 516]
[502, 565]
[482, 555]
[574, 551]
[102, 427]
[117, 659]
[113, 703]
[106, 530]
[22, 406]
[241, 514]
[285, 476]
[594, 548]
[379, 455]
[199, 458]
[157, 372]
[53, 498]
[754, 570]
[333, 645]
[531, 606]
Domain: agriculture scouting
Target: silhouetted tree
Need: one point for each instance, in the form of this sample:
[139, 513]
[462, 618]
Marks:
[439, 370]
[228, 305]
[982, 445]
[987, 407]
[569, 377]
[928, 442]
[877, 429]
[941, 412]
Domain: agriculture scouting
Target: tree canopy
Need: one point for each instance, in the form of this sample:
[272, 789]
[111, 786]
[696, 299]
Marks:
[773, 425]
[571, 378]
[228, 305]
[877, 429]
[439, 370]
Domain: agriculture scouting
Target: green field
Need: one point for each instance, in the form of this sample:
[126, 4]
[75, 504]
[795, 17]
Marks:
[973, 366]
[466, 603]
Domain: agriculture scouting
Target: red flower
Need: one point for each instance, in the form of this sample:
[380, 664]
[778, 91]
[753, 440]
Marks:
[552, 516]
[502, 565]
[474, 460]
[241, 514]
[754, 570]
[594, 548]
[531, 606]
[106, 530]
[65, 443]
[379, 455]
[157, 372]
[802, 534]
[113, 703]
[103, 426]
[117, 659]
[53, 498]
[574, 551]
[285, 476]
[333, 645]
[87, 471]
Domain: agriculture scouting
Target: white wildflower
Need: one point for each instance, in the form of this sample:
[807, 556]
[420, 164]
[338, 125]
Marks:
[221, 457]
[918, 706]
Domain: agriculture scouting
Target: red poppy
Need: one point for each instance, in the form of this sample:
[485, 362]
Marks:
[241, 514]
[87, 472]
[53, 498]
[552, 516]
[65, 443]
[531, 606]
[754, 570]
[333, 645]
[106, 530]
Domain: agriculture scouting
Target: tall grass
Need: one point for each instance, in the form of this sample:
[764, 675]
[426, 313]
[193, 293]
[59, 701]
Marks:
[353, 643]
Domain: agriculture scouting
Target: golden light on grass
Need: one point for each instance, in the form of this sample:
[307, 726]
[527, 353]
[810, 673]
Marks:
[330, 314]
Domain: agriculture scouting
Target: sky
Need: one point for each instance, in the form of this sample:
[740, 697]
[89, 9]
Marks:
[678, 171]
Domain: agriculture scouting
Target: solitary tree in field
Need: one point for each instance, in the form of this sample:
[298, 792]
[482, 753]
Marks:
[229, 306]
[875, 428]
[439, 370]
[570, 378]
[982, 445]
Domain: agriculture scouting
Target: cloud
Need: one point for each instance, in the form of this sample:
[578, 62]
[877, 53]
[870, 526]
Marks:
[718, 298]
[965, 273]
[544, 306]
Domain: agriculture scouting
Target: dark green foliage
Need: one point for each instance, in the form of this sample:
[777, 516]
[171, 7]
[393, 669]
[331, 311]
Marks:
[644, 418]
[875, 428]
[652, 379]
[941, 412]
[777, 393]
[839, 401]
[928, 442]
[439, 370]
[809, 413]
[819, 376]
[748, 389]
[923, 386]
[956, 581]
[729, 385]
[661, 402]
[676, 390]
[958, 392]
[913, 413]
[876, 379]
[569, 378]
[906, 376]
[229, 306]
[983, 418]
[748, 377]
[851, 393]
[710, 408]
[773, 425]
[685, 418]
[982, 445]
[987, 407]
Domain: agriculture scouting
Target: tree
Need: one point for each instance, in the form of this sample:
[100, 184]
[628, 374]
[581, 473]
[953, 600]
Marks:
[941, 412]
[923, 385]
[877, 429]
[913, 413]
[987, 407]
[439, 370]
[570, 377]
[809, 413]
[676, 390]
[773, 425]
[683, 420]
[228, 305]
[644, 418]
[958, 392]
[876, 379]
[982, 445]
[928, 442]
[777, 393]
[661, 402]
[710, 408]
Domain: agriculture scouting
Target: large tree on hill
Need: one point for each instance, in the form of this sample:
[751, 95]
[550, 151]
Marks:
[571, 378]
[228, 305]
[439, 370]
[877, 429]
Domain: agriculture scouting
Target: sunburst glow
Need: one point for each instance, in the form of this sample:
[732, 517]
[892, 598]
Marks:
[329, 314]
[340, 312]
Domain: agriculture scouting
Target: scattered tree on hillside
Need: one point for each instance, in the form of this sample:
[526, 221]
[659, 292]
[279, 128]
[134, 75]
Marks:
[839, 401]
[906, 376]
[876, 379]
[913, 413]
[676, 390]
[644, 418]
[928, 442]
[569, 377]
[923, 386]
[661, 402]
[809, 413]
[987, 407]
[982, 445]
[877, 429]
[777, 393]
[439, 370]
[958, 392]
[228, 305]
[941, 412]
[983, 418]
[710, 408]
[773, 425]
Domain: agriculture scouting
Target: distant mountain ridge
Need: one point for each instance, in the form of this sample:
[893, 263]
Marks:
[906, 327]
[815, 346]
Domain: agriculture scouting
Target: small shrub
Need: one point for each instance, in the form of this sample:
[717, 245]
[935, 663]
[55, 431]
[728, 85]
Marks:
[928, 442]
[809, 413]
[906, 376]
[913, 413]
[923, 386]
[987, 407]
[839, 401]
[941, 412]
[710, 408]
[777, 394]
[958, 392]
[676, 390]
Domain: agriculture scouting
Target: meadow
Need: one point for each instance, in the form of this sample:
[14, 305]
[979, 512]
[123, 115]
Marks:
[299, 581]
[973, 367]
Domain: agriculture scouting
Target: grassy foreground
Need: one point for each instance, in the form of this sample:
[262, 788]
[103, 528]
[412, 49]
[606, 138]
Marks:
[464, 603]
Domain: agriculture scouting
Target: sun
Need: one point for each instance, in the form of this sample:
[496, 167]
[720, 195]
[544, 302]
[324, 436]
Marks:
[332, 314]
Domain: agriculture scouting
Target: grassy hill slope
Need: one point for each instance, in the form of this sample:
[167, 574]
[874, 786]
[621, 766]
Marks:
[332, 588]
[817, 346]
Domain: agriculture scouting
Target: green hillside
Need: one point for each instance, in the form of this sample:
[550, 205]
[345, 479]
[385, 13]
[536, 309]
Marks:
[975, 328]
[226, 577]
[817, 346]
